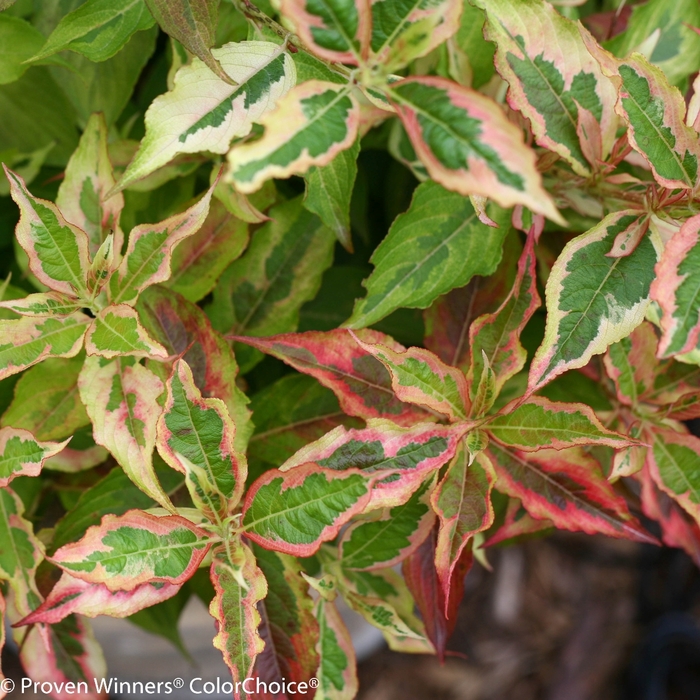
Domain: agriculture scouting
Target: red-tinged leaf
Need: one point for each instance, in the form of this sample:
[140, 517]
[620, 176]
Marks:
[73, 595]
[57, 250]
[538, 423]
[89, 176]
[462, 502]
[687, 407]
[631, 363]
[468, 145]
[125, 551]
[676, 290]
[196, 437]
[498, 334]
[566, 487]
[674, 465]
[239, 585]
[439, 614]
[360, 381]
[181, 326]
[294, 512]
[288, 627]
[673, 380]
[337, 672]
[21, 454]
[517, 523]
[420, 377]
[627, 241]
[121, 398]
[409, 455]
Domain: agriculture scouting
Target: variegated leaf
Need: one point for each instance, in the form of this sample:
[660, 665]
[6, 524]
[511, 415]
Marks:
[117, 331]
[57, 250]
[553, 80]
[592, 300]
[336, 30]
[540, 423]
[517, 523]
[498, 334]
[190, 119]
[21, 454]
[337, 672]
[27, 340]
[82, 195]
[73, 595]
[419, 377]
[462, 502]
[360, 381]
[675, 289]
[654, 112]
[294, 512]
[392, 536]
[195, 436]
[409, 455]
[125, 551]
[121, 398]
[239, 585]
[184, 330]
[566, 487]
[468, 145]
[43, 304]
[149, 253]
[309, 126]
[437, 245]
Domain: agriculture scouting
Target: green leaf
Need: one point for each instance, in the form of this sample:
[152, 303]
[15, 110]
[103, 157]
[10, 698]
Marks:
[125, 551]
[437, 245]
[30, 340]
[392, 536]
[48, 304]
[189, 120]
[18, 41]
[294, 512]
[592, 300]
[329, 190]
[467, 144]
[195, 436]
[46, 400]
[97, 29]
[21, 454]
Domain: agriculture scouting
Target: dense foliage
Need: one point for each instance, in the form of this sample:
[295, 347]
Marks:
[226, 219]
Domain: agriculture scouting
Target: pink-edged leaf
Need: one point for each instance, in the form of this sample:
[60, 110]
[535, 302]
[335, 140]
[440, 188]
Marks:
[674, 465]
[181, 327]
[420, 377]
[73, 595]
[410, 455]
[462, 502]
[196, 436]
[539, 423]
[517, 523]
[125, 551]
[393, 535]
[82, 195]
[439, 613]
[337, 672]
[673, 380]
[117, 331]
[360, 381]
[21, 454]
[468, 145]
[121, 398]
[149, 253]
[498, 334]
[294, 512]
[626, 241]
[687, 407]
[553, 80]
[336, 30]
[43, 304]
[239, 585]
[57, 250]
[566, 487]
[677, 290]
[26, 341]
